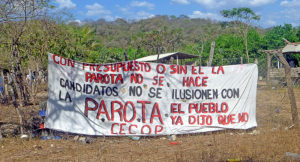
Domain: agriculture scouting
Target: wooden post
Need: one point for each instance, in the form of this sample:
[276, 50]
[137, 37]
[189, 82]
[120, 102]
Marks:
[177, 60]
[134, 55]
[6, 90]
[171, 60]
[291, 94]
[3, 81]
[30, 79]
[268, 66]
[211, 53]
[157, 59]
[241, 60]
[5, 84]
[125, 55]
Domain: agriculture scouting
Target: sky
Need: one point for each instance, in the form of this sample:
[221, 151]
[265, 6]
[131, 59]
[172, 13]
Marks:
[272, 12]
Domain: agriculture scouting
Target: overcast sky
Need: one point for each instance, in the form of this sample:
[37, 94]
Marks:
[272, 12]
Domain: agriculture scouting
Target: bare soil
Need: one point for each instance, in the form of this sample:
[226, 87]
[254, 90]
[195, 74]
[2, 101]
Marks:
[268, 142]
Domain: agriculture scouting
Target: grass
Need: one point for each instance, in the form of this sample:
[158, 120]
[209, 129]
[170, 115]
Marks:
[271, 141]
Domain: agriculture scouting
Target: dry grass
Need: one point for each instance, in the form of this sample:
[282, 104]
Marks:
[270, 144]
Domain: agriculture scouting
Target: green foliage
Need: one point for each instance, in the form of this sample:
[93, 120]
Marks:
[240, 14]
[105, 55]
[228, 46]
[255, 44]
[106, 42]
[273, 38]
[298, 33]
[243, 18]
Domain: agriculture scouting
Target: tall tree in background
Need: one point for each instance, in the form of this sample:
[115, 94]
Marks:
[242, 19]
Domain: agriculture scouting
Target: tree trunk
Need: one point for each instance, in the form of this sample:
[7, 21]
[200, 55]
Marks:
[246, 45]
[291, 94]
[39, 78]
[17, 88]
[21, 77]
[31, 84]
[200, 57]
[14, 80]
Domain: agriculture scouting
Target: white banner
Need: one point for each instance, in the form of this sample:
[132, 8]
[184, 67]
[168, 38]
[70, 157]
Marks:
[141, 98]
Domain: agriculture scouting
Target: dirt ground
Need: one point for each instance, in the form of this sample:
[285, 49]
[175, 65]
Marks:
[270, 141]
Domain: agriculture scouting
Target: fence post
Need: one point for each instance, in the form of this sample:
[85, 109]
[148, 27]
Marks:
[268, 66]
[125, 55]
[211, 53]
[3, 81]
[5, 84]
[171, 60]
[291, 94]
[134, 56]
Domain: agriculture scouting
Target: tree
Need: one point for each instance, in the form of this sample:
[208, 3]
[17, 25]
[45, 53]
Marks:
[242, 19]
[83, 41]
[298, 33]
[15, 17]
[273, 37]
[228, 49]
